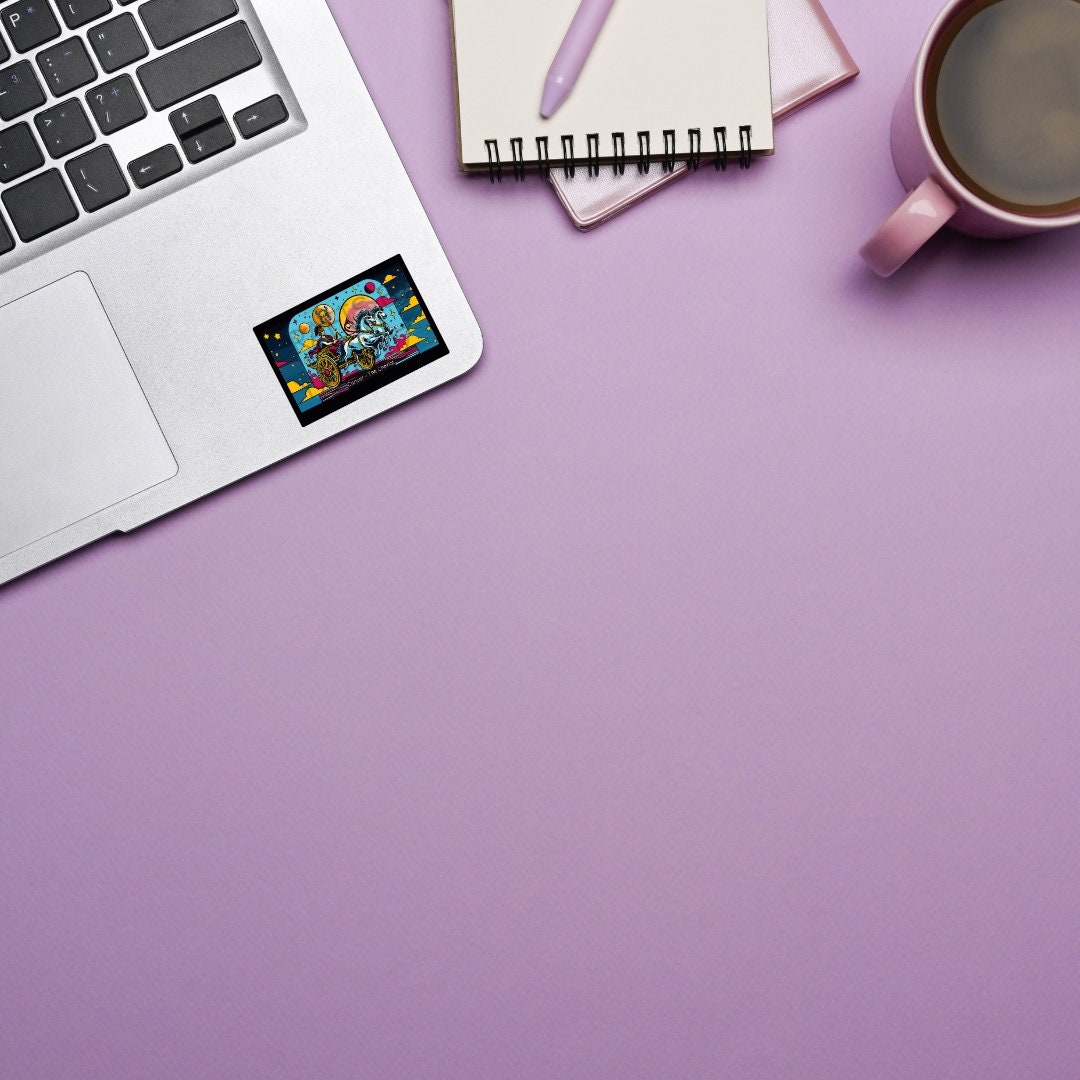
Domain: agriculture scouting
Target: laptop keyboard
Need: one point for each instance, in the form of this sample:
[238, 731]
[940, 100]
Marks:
[79, 77]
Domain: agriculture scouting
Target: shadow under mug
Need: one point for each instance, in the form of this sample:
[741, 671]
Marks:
[937, 197]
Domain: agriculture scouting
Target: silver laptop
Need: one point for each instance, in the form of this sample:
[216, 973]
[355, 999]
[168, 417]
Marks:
[210, 258]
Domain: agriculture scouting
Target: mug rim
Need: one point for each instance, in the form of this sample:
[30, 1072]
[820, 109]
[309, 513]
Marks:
[942, 172]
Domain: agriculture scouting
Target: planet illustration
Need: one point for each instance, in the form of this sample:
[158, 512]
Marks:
[304, 328]
[323, 315]
[353, 308]
[369, 287]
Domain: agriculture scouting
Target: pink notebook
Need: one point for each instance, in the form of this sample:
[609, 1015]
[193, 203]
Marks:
[806, 59]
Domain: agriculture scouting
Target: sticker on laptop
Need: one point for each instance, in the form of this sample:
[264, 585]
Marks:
[351, 341]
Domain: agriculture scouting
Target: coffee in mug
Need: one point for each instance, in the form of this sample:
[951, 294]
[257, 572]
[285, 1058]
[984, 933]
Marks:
[1003, 103]
[986, 132]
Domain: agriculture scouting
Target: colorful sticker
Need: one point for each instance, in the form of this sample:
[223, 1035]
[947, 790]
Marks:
[351, 341]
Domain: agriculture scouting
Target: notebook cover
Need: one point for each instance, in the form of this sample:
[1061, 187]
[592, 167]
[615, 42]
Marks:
[636, 82]
[807, 59]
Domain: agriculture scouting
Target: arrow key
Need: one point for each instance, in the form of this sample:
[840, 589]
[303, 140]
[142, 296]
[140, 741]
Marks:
[262, 116]
[97, 178]
[208, 141]
[156, 166]
[196, 115]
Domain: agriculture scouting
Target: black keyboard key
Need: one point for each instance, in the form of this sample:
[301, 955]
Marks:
[156, 166]
[64, 128]
[116, 104]
[208, 141]
[170, 21]
[196, 115]
[7, 241]
[39, 205]
[199, 65]
[78, 13]
[97, 178]
[260, 117]
[118, 43]
[202, 129]
[5, 53]
[30, 23]
[19, 90]
[66, 66]
[19, 153]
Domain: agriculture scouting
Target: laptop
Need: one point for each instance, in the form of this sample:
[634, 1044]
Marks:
[210, 259]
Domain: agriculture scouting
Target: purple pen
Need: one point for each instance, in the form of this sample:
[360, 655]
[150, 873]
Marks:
[573, 52]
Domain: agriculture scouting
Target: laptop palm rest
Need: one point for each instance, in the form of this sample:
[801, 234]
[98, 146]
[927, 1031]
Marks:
[76, 433]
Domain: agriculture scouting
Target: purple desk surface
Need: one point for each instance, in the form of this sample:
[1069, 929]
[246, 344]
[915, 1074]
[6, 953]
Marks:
[691, 691]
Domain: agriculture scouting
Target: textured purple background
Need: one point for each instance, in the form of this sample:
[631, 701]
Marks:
[689, 692]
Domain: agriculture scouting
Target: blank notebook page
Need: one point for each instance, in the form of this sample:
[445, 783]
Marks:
[675, 66]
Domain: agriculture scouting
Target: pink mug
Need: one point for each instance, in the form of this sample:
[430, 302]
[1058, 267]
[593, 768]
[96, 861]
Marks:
[937, 196]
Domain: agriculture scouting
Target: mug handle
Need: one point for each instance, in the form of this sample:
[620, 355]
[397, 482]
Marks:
[917, 218]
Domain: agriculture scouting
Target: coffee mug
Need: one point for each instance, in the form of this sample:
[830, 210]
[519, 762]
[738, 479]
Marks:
[990, 96]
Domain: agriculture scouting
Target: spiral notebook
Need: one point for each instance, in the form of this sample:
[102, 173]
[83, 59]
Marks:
[638, 99]
[807, 58]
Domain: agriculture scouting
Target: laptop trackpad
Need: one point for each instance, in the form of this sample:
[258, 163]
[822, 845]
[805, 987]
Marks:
[76, 432]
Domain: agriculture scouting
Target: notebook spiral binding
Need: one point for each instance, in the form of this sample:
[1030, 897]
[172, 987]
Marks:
[618, 158]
